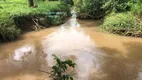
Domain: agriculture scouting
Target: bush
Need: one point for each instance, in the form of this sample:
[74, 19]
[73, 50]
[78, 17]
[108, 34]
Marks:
[89, 9]
[123, 24]
[8, 31]
[121, 5]
[97, 9]
[137, 7]
[55, 20]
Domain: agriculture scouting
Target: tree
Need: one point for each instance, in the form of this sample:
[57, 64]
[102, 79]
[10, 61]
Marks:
[31, 3]
[68, 2]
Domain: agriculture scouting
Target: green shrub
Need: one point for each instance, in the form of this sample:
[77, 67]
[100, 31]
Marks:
[55, 20]
[137, 10]
[97, 9]
[89, 9]
[137, 7]
[123, 24]
[121, 5]
[9, 33]
[59, 69]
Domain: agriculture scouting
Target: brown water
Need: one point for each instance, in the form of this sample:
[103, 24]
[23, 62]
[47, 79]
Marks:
[121, 58]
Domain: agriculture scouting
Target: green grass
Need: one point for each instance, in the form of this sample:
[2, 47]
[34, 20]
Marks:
[124, 24]
[14, 14]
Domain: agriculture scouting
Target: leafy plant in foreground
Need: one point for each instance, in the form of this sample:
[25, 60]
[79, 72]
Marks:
[59, 69]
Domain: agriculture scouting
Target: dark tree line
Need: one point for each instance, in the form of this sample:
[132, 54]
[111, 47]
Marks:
[31, 3]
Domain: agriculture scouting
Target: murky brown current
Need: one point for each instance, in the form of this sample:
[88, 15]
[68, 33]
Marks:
[122, 56]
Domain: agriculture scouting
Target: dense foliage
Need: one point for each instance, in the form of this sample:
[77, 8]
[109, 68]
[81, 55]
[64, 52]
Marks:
[16, 16]
[123, 23]
[97, 9]
[89, 8]
[137, 7]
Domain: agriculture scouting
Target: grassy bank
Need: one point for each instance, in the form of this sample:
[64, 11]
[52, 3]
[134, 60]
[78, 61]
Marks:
[123, 24]
[123, 17]
[17, 17]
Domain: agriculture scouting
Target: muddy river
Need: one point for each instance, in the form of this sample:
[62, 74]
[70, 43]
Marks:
[99, 55]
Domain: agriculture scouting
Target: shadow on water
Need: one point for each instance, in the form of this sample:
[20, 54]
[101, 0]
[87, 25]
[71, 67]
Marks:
[110, 51]
[120, 67]
[89, 23]
[134, 50]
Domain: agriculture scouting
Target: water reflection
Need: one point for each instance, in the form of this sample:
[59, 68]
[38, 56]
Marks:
[71, 42]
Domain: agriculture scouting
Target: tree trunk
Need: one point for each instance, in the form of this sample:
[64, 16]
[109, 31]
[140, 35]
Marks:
[31, 3]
